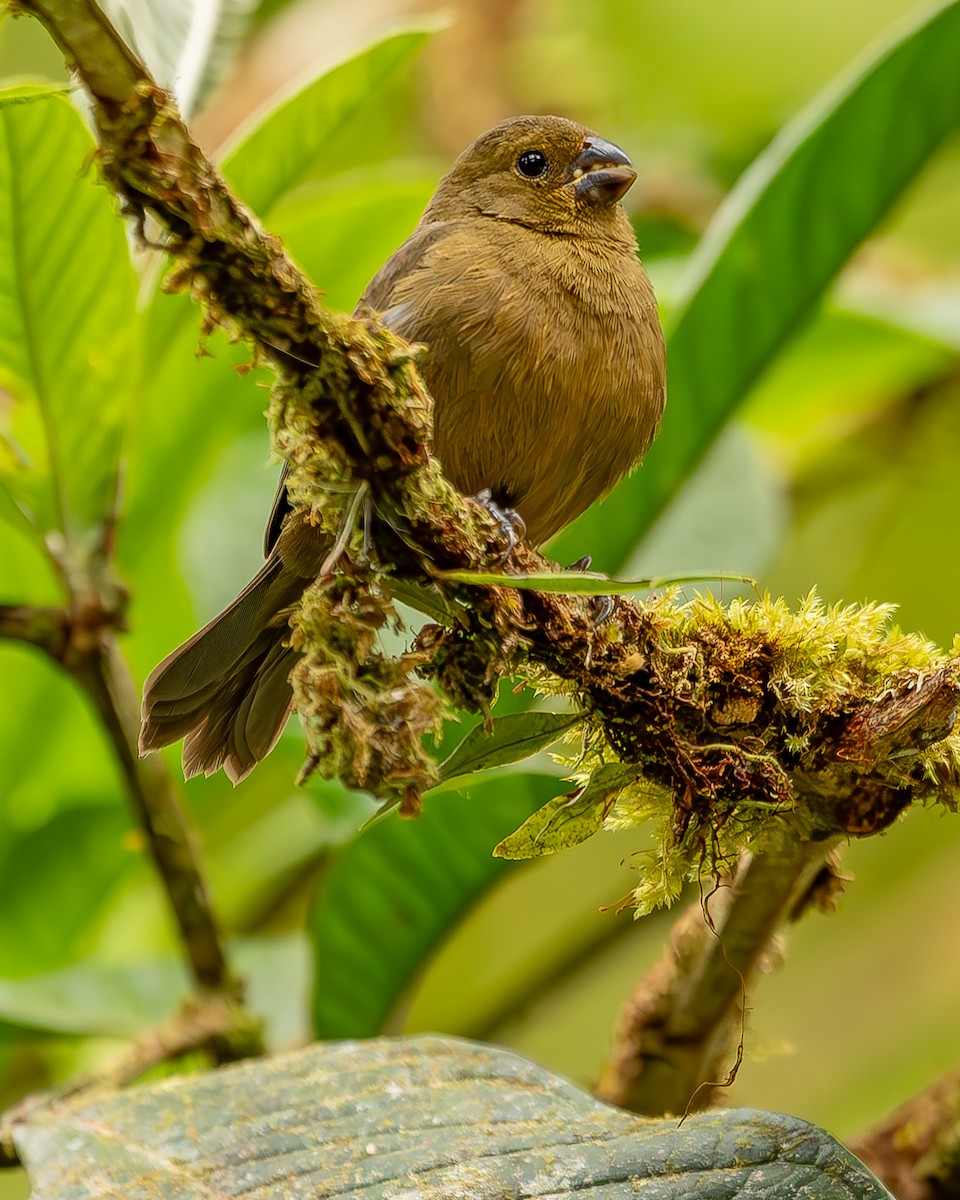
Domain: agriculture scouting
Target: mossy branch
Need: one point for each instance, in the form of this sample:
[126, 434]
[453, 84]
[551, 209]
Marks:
[751, 726]
[705, 699]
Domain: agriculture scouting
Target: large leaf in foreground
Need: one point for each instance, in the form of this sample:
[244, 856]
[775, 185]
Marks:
[66, 320]
[779, 238]
[428, 1117]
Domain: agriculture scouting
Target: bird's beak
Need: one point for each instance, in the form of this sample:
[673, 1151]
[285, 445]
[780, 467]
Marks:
[601, 172]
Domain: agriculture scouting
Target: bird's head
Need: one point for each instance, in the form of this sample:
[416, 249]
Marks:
[544, 172]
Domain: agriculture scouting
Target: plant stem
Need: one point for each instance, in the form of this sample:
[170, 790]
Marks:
[683, 1018]
[84, 645]
[107, 681]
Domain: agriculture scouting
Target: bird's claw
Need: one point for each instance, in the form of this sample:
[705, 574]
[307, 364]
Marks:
[603, 605]
[511, 524]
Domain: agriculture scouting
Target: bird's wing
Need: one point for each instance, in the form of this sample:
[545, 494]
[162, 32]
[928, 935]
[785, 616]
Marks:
[376, 299]
[400, 264]
[281, 506]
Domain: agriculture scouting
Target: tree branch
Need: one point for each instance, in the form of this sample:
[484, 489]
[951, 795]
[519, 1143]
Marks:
[916, 1150]
[86, 649]
[677, 1029]
[108, 683]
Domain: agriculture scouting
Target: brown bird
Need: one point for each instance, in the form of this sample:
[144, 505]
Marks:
[545, 360]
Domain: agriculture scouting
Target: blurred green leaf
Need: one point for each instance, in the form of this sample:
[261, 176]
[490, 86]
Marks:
[58, 878]
[275, 152]
[123, 999]
[930, 313]
[876, 515]
[187, 45]
[734, 510]
[568, 820]
[10, 511]
[342, 231]
[839, 375]
[94, 999]
[777, 241]
[67, 321]
[397, 891]
[191, 404]
[513, 737]
[456, 1118]
[268, 9]
[30, 93]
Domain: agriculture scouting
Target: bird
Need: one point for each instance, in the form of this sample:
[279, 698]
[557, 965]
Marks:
[545, 360]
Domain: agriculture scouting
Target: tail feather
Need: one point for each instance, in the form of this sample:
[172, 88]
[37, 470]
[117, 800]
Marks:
[213, 652]
[226, 691]
[241, 726]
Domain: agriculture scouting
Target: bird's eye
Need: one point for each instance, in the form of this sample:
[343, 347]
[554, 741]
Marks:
[532, 164]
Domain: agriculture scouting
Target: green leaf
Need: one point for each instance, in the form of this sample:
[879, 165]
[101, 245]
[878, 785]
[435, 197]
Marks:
[341, 231]
[425, 600]
[432, 1117]
[398, 890]
[569, 820]
[279, 149]
[779, 238]
[187, 45]
[59, 876]
[67, 321]
[29, 93]
[123, 999]
[513, 737]
[94, 999]
[583, 583]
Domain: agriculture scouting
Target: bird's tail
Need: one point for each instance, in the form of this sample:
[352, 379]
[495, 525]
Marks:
[226, 691]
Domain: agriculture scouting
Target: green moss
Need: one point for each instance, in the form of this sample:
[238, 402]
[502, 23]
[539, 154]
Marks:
[752, 720]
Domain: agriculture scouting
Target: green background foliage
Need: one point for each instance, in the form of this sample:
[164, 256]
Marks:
[812, 440]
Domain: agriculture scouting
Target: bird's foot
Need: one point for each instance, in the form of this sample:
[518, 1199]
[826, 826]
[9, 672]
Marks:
[509, 521]
[602, 610]
[602, 605]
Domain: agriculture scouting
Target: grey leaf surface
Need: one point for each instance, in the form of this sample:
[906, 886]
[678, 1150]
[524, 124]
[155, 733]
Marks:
[422, 1117]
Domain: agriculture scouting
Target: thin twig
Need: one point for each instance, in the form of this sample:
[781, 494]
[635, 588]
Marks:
[91, 656]
[347, 525]
[107, 681]
[48, 629]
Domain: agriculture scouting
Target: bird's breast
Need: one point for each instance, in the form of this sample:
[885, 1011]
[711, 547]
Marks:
[545, 361]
